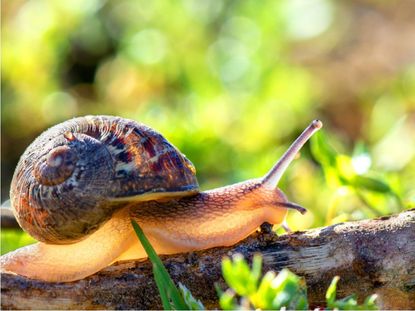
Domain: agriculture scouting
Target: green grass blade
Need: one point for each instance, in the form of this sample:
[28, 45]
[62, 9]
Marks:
[331, 292]
[191, 302]
[162, 290]
[166, 282]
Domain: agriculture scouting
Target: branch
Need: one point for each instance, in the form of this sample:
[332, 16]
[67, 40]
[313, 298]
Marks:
[370, 256]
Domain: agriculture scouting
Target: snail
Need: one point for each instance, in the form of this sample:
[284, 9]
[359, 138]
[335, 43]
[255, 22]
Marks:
[77, 186]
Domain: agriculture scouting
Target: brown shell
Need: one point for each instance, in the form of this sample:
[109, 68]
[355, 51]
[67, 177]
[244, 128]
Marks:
[76, 174]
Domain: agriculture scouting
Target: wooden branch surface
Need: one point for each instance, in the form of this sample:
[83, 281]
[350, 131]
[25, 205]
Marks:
[370, 256]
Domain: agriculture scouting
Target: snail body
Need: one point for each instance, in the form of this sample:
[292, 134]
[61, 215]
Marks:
[77, 186]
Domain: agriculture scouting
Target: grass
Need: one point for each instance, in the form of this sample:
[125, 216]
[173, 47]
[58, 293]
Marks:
[172, 298]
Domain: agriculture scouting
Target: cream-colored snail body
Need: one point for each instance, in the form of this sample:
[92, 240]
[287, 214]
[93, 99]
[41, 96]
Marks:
[77, 186]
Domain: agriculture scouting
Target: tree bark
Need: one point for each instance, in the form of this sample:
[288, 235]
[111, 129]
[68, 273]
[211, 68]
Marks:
[370, 256]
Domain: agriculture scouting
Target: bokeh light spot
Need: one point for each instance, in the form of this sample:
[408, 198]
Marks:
[28, 20]
[147, 47]
[361, 163]
[306, 19]
[228, 58]
[204, 10]
[244, 30]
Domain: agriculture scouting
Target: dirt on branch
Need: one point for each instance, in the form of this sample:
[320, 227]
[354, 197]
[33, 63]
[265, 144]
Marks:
[370, 256]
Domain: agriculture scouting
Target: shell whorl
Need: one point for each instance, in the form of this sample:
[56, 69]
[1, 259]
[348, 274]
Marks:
[73, 177]
[56, 167]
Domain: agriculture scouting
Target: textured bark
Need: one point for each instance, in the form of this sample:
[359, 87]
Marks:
[370, 256]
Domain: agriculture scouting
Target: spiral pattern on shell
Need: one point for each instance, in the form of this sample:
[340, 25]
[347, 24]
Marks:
[56, 167]
[73, 177]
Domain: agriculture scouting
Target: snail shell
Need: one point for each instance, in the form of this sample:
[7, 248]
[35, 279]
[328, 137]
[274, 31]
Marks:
[75, 175]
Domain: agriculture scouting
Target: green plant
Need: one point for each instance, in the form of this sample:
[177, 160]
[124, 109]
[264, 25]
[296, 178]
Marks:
[346, 175]
[272, 292]
[172, 298]
[349, 302]
[284, 290]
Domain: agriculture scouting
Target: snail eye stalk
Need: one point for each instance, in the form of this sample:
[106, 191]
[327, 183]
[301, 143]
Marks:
[272, 178]
[291, 205]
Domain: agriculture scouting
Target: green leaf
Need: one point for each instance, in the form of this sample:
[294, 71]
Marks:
[256, 269]
[193, 303]
[274, 292]
[162, 290]
[370, 303]
[227, 300]
[164, 282]
[265, 294]
[238, 275]
[283, 290]
[372, 184]
[331, 292]
[349, 302]
[289, 290]
[300, 301]
[322, 151]
[344, 167]
[346, 303]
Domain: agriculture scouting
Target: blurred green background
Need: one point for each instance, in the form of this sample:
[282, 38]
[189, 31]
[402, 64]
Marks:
[231, 84]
